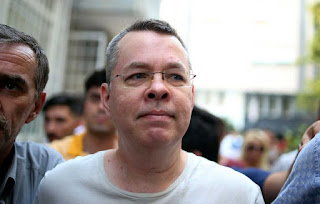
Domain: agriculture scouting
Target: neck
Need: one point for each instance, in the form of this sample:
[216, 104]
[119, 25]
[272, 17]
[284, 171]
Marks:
[145, 171]
[4, 153]
[6, 158]
[93, 143]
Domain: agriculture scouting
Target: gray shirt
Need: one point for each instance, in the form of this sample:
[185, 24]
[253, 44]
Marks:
[30, 161]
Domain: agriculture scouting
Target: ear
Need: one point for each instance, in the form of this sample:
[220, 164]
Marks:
[105, 96]
[38, 103]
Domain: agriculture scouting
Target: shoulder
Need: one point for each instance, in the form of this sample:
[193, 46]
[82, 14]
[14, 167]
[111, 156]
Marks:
[303, 182]
[81, 172]
[76, 167]
[255, 174]
[62, 142]
[37, 155]
[216, 175]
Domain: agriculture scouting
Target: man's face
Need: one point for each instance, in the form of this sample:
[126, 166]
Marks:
[96, 119]
[153, 115]
[59, 122]
[17, 90]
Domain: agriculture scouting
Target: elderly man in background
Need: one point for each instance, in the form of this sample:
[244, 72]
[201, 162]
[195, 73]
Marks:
[23, 75]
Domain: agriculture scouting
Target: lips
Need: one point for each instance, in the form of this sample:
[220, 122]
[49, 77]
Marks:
[156, 113]
[101, 117]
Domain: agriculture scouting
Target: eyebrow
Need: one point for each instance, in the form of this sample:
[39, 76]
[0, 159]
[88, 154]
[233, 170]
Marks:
[15, 78]
[175, 65]
[136, 65]
[143, 65]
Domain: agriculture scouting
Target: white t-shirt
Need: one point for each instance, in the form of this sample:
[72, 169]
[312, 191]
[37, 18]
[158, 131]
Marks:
[84, 180]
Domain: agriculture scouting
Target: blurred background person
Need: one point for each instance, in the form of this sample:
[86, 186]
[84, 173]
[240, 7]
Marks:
[62, 115]
[274, 151]
[100, 132]
[204, 134]
[255, 149]
[284, 162]
[230, 149]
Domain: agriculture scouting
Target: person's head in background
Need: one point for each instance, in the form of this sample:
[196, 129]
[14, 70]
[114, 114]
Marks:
[255, 149]
[62, 114]
[204, 134]
[24, 72]
[97, 121]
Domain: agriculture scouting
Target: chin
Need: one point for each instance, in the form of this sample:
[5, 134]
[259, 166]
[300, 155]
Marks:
[158, 138]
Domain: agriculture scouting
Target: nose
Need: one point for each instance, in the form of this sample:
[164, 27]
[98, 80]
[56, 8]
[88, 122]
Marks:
[50, 126]
[158, 89]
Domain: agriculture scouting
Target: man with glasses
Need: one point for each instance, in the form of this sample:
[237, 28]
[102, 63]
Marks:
[99, 134]
[149, 95]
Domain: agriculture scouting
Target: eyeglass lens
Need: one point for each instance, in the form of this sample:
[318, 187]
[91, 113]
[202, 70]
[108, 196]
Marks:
[139, 78]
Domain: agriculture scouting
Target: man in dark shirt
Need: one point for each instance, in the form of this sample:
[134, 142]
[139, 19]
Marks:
[23, 75]
[62, 115]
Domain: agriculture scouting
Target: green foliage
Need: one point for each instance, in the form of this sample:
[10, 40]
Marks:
[315, 48]
[309, 98]
[294, 136]
[316, 14]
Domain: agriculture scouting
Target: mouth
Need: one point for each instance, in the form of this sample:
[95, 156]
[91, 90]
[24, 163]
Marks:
[156, 114]
[52, 136]
[101, 117]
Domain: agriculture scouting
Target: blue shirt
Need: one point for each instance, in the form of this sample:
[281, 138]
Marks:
[303, 183]
[29, 163]
[255, 174]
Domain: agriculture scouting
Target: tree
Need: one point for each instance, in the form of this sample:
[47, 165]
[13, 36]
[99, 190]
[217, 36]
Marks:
[309, 99]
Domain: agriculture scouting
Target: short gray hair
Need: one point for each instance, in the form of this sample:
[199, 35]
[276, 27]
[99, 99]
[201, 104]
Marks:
[143, 25]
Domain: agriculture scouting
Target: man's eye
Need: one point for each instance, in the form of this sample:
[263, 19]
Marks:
[61, 120]
[137, 76]
[176, 77]
[10, 86]
[94, 98]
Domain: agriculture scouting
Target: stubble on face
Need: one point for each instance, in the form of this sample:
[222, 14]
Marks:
[4, 131]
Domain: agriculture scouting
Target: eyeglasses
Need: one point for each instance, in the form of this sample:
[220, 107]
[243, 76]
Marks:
[140, 78]
[255, 148]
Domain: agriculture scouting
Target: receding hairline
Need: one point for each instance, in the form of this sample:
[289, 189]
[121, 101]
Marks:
[23, 55]
[155, 32]
[158, 33]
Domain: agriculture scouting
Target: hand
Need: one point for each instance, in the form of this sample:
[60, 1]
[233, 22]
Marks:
[309, 134]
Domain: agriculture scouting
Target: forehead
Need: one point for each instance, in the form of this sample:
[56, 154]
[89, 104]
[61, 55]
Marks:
[59, 109]
[18, 59]
[151, 47]
[94, 90]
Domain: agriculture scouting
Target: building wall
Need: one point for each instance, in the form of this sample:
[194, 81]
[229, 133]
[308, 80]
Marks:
[48, 22]
[245, 48]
